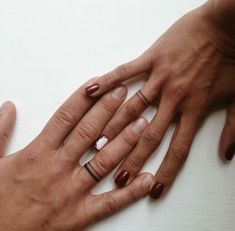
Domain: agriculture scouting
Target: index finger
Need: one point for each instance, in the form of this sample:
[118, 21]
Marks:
[67, 117]
[120, 74]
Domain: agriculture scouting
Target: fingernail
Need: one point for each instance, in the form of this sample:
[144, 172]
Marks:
[122, 178]
[147, 181]
[101, 142]
[156, 190]
[230, 152]
[92, 89]
[119, 93]
[139, 125]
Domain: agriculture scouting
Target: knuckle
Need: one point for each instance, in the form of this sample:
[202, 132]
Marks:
[4, 136]
[166, 176]
[132, 195]
[132, 110]
[109, 79]
[112, 130]
[180, 153]
[178, 92]
[128, 139]
[88, 131]
[110, 204]
[103, 162]
[151, 138]
[122, 70]
[168, 72]
[198, 109]
[63, 118]
[108, 107]
[132, 163]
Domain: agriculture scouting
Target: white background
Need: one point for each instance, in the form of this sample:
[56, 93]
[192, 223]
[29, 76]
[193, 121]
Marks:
[48, 48]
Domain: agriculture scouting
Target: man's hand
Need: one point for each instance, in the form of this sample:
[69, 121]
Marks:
[44, 188]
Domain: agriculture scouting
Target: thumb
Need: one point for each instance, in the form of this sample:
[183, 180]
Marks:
[7, 121]
[227, 142]
[113, 201]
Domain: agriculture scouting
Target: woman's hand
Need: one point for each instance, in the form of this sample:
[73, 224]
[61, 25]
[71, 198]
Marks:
[43, 187]
[191, 71]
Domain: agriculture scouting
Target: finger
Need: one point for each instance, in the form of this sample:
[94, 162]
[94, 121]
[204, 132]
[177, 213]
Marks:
[7, 121]
[91, 125]
[119, 75]
[66, 117]
[148, 142]
[111, 155]
[227, 141]
[176, 155]
[129, 112]
[111, 202]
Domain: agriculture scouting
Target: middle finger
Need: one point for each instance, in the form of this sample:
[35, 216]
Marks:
[90, 126]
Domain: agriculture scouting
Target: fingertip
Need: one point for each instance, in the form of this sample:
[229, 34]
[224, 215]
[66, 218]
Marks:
[139, 125]
[146, 181]
[8, 108]
[227, 144]
[230, 152]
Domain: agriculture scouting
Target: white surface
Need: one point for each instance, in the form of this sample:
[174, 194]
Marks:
[50, 47]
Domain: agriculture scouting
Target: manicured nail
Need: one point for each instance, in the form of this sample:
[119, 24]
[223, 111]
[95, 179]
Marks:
[119, 93]
[101, 142]
[139, 125]
[230, 152]
[156, 190]
[122, 178]
[92, 89]
[147, 181]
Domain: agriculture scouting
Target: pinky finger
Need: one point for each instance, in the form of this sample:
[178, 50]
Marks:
[7, 121]
[176, 155]
[106, 204]
[227, 141]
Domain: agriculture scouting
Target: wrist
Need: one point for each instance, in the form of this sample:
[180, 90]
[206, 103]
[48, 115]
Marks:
[218, 27]
[222, 12]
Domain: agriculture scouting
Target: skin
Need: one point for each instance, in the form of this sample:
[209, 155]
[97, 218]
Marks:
[190, 73]
[43, 186]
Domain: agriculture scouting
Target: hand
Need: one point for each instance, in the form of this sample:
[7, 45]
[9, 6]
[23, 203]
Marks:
[191, 72]
[43, 187]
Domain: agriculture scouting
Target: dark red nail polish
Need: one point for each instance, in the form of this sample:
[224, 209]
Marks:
[156, 190]
[91, 89]
[122, 178]
[230, 152]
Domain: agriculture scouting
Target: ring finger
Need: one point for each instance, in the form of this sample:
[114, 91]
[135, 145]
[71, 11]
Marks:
[149, 141]
[111, 155]
[90, 126]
